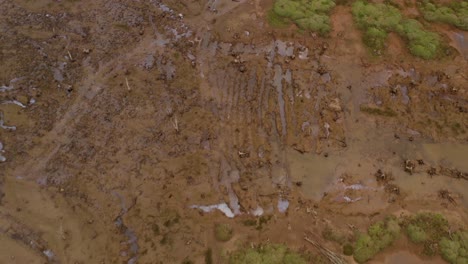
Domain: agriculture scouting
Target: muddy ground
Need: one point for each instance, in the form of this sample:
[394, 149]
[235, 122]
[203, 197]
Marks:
[122, 119]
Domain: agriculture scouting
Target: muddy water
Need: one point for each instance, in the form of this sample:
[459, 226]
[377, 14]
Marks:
[448, 154]
[460, 42]
[315, 172]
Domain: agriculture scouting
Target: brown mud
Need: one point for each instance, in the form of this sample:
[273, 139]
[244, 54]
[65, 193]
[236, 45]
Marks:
[118, 117]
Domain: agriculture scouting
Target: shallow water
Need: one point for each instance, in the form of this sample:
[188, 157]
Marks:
[461, 43]
[448, 154]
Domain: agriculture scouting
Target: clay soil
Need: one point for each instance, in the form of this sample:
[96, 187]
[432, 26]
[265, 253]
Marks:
[119, 117]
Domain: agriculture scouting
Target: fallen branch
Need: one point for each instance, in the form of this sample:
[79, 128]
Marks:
[332, 256]
[126, 81]
[175, 124]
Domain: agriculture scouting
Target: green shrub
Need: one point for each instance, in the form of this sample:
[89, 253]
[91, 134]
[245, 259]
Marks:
[455, 250]
[382, 16]
[455, 14]
[428, 229]
[267, 254]
[423, 44]
[375, 38]
[416, 234]
[379, 236]
[379, 19]
[276, 20]
[223, 232]
[306, 14]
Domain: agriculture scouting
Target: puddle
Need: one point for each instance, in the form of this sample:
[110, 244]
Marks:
[229, 175]
[315, 172]
[404, 93]
[277, 82]
[223, 207]
[132, 239]
[283, 205]
[284, 49]
[447, 154]
[459, 39]
[58, 72]
[411, 73]
[15, 102]
[10, 86]
[2, 158]
[421, 185]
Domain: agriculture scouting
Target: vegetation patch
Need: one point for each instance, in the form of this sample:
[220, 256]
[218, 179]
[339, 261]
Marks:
[276, 20]
[455, 13]
[430, 230]
[379, 236]
[427, 229]
[455, 250]
[376, 20]
[310, 15]
[267, 254]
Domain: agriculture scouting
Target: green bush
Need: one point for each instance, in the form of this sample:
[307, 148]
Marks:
[416, 234]
[455, 14]
[276, 20]
[423, 44]
[379, 19]
[379, 236]
[428, 229]
[375, 38]
[267, 254]
[306, 14]
[456, 250]
[381, 16]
